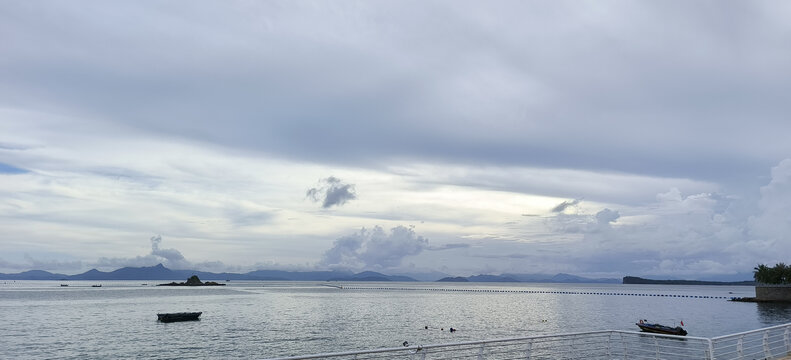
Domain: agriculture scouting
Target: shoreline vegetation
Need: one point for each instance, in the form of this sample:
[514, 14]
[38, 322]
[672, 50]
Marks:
[780, 274]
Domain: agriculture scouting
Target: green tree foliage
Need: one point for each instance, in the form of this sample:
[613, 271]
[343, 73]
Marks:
[779, 274]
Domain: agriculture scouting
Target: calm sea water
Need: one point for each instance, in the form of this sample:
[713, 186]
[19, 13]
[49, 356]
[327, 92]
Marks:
[42, 320]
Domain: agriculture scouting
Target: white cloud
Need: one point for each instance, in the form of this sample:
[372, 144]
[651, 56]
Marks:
[374, 249]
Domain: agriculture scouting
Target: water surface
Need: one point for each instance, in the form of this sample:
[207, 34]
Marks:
[43, 320]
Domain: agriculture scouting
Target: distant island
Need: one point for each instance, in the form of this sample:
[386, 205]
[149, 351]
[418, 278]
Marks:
[639, 280]
[160, 272]
[193, 281]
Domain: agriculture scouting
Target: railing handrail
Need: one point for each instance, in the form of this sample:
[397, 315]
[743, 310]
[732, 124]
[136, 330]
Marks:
[722, 337]
[708, 342]
[485, 342]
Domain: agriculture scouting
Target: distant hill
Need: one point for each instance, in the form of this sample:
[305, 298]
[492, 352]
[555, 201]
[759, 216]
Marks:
[534, 278]
[33, 275]
[372, 276]
[160, 272]
[491, 278]
[638, 280]
[560, 278]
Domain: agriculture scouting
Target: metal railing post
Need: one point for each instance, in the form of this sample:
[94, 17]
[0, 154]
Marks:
[740, 346]
[623, 343]
[609, 346]
[787, 340]
[710, 354]
[529, 349]
[767, 353]
[480, 352]
[656, 347]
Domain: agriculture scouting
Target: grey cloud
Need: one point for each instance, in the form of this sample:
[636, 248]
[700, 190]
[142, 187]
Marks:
[374, 249]
[370, 93]
[770, 226]
[41, 264]
[607, 216]
[449, 247]
[241, 216]
[565, 205]
[688, 234]
[170, 258]
[509, 256]
[332, 192]
[330, 83]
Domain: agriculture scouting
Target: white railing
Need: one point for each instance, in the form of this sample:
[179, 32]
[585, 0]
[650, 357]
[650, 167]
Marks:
[768, 343]
[584, 345]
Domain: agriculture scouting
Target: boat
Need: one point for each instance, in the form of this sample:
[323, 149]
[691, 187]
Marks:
[100, 285]
[64, 285]
[645, 326]
[181, 316]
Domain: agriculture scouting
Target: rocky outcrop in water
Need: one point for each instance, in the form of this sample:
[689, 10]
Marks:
[193, 281]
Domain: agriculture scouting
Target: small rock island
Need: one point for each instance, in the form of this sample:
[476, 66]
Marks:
[193, 281]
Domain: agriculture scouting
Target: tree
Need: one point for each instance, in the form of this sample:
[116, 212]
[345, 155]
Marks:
[761, 274]
[779, 274]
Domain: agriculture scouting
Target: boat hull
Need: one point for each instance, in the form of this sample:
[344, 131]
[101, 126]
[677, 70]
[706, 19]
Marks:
[182, 316]
[662, 329]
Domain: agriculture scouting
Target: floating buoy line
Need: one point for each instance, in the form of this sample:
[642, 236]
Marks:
[355, 287]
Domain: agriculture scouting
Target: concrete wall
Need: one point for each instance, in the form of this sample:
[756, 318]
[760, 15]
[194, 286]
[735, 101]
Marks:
[773, 292]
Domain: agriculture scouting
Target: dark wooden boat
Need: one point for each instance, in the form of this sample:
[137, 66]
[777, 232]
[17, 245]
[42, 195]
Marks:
[660, 329]
[182, 316]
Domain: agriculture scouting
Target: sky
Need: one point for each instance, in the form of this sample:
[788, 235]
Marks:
[597, 138]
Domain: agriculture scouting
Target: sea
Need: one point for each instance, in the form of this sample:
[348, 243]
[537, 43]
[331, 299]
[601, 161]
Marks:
[266, 319]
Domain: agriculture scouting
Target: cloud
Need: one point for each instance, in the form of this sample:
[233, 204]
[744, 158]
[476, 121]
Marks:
[32, 263]
[770, 228]
[559, 208]
[359, 71]
[374, 249]
[606, 216]
[448, 247]
[170, 258]
[332, 192]
[322, 85]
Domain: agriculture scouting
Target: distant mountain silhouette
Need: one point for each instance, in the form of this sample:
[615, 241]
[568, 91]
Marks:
[560, 278]
[372, 276]
[491, 278]
[33, 275]
[160, 272]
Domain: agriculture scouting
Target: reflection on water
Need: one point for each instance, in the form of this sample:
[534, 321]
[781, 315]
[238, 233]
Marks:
[774, 313]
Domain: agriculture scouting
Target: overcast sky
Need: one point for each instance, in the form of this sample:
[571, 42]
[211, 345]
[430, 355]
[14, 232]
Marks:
[601, 138]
